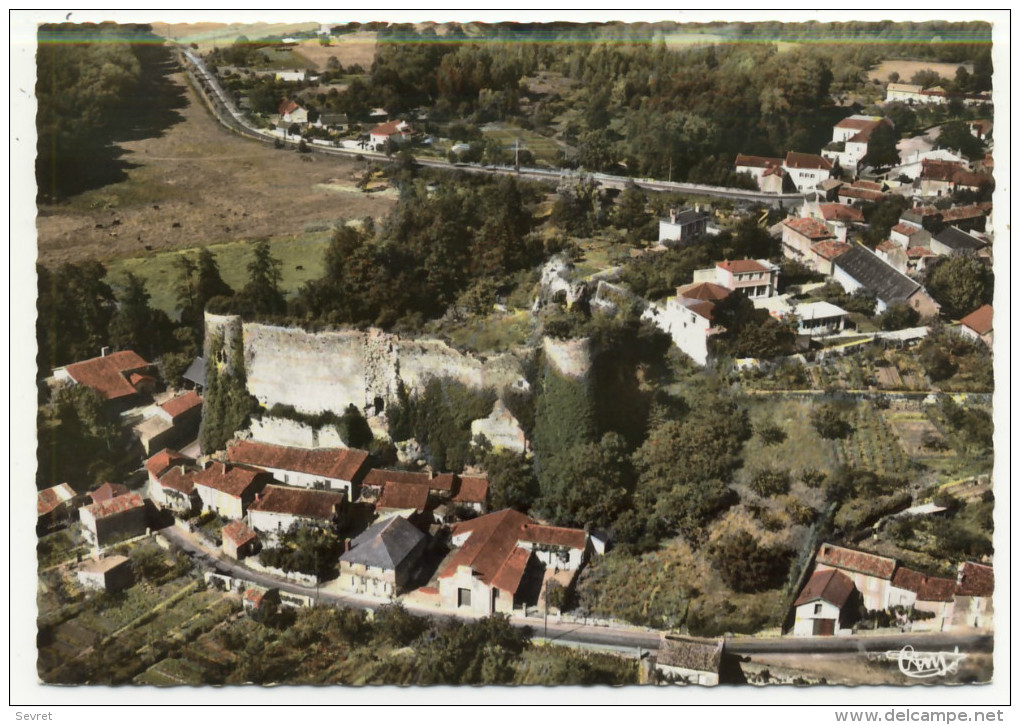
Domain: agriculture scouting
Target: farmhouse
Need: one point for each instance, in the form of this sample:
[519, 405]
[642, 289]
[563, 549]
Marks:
[807, 170]
[175, 421]
[860, 268]
[109, 522]
[822, 607]
[338, 469]
[689, 660]
[277, 508]
[498, 554]
[871, 574]
[172, 481]
[850, 139]
[382, 559]
[397, 132]
[121, 378]
[291, 111]
[228, 489]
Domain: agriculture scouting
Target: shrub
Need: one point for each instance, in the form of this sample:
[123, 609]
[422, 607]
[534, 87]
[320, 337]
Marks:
[770, 434]
[770, 482]
[747, 566]
[830, 423]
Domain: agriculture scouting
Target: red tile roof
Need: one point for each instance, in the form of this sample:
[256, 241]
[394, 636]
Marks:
[829, 250]
[288, 106]
[938, 170]
[810, 228]
[509, 576]
[443, 482]
[180, 405]
[389, 128]
[703, 309]
[919, 252]
[255, 596]
[832, 586]
[760, 162]
[378, 477]
[975, 580]
[303, 502]
[108, 491]
[472, 489]
[887, 246]
[239, 533]
[937, 589]
[908, 579]
[864, 184]
[179, 480]
[859, 561]
[403, 496]
[907, 230]
[739, 266]
[980, 320]
[491, 549]
[231, 480]
[50, 498]
[705, 291]
[797, 160]
[116, 505]
[855, 192]
[958, 213]
[858, 124]
[971, 179]
[106, 375]
[340, 463]
[165, 459]
[553, 535]
[840, 212]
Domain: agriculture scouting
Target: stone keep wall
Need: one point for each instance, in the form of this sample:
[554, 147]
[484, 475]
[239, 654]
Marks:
[572, 358]
[330, 370]
[285, 432]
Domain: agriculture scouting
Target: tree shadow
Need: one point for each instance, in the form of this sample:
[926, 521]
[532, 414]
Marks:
[148, 112]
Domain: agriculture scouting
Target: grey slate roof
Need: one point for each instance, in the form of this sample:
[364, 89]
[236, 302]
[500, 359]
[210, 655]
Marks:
[196, 372]
[385, 544]
[957, 240]
[688, 216]
[875, 275]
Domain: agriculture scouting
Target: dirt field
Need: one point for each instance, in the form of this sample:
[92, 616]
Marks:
[353, 48]
[208, 35]
[907, 68]
[198, 184]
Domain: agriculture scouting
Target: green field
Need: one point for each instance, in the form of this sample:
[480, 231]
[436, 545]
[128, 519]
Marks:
[544, 149]
[302, 258]
[206, 37]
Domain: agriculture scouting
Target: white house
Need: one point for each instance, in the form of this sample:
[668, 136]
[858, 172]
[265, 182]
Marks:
[912, 161]
[821, 609]
[381, 560]
[978, 325]
[850, 139]
[818, 319]
[292, 112]
[767, 172]
[228, 489]
[871, 574]
[682, 226]
[336, 469]
[688, 318]
[110, 573]
[860, 268]
[975, 584]
[936, 596]
[807, 170]
[396, 131]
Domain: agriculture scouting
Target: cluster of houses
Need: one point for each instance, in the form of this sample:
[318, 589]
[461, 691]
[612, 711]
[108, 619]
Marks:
[384, 134]
[914, 94]
[845, 581]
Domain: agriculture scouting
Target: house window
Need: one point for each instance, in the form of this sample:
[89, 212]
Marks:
[818, 608]
[463, 597]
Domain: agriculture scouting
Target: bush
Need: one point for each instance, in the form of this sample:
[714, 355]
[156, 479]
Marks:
[830, 423]
[770, 482]
[861, 512]
[770, 434]
[747, 566]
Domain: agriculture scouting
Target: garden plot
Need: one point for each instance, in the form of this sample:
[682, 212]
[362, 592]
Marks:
[872, 445]
[912, 430]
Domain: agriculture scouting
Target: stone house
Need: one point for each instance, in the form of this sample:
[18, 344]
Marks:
[277, 508]
[689, 660]
[122, 378]
[936, 596]
[871, 574]
[238, 540]
[824, 606]
[172, 482]
[109, 574]
[228, 489]
[336, 469]
[109, 522]
[108, 491]
[381, 560]
[799, 233]
[500, 556]
[472, 492]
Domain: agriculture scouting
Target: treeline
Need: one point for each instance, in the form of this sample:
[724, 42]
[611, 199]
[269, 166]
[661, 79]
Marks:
[87, 74]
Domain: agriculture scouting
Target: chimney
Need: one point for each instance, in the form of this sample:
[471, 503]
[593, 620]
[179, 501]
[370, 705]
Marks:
[697, 208]
[672, 216]
[104, 351]
[347, 545]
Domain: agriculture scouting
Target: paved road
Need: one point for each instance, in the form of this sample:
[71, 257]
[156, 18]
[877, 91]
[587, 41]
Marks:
[619, 638]
[231, 117]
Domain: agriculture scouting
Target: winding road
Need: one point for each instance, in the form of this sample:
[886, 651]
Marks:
[232, 118]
